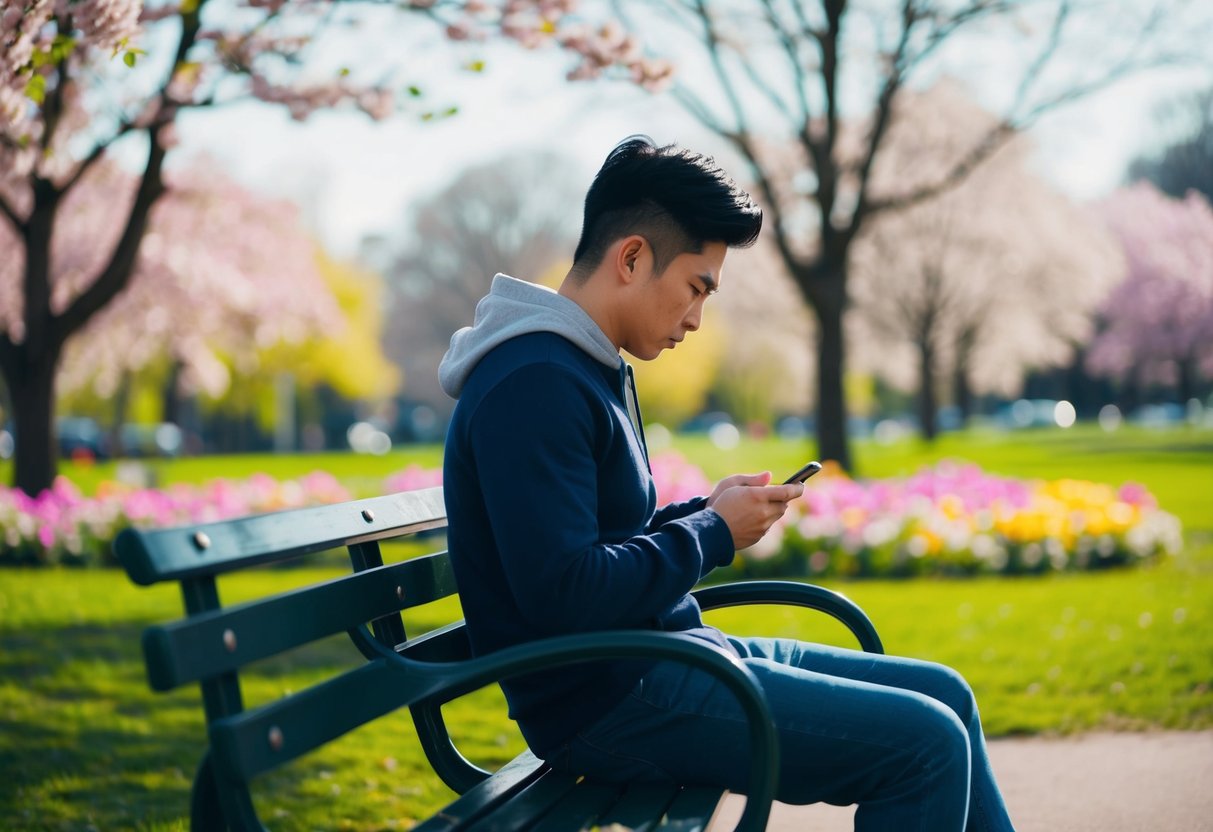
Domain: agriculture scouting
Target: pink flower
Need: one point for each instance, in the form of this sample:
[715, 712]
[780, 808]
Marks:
[413, 478]
[676, 479]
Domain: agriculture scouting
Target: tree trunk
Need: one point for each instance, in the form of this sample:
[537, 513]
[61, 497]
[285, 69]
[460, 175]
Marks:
[29, 366]
[1186, 372]
[962, 391]
[170, 394]
[825, 290]
[31, 388]
[963, 394]
[120, 408]
[926, 393]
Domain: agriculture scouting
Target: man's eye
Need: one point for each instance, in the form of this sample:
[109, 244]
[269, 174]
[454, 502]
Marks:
[695, 290]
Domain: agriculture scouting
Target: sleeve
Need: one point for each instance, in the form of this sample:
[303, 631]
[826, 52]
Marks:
[533, 438]
[676, 511]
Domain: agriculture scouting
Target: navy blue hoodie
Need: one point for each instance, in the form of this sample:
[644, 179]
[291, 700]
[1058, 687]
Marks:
[553, 520]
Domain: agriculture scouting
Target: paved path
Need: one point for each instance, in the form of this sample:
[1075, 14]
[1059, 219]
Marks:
[1153, 782]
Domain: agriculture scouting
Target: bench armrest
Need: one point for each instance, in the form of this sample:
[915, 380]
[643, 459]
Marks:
[793, 593]
[255, 741]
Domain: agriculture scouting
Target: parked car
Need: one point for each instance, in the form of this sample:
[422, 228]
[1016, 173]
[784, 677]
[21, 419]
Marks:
[81, 437]
[159, 440]
[704, 422]
[1029, 413]
[1160, 415]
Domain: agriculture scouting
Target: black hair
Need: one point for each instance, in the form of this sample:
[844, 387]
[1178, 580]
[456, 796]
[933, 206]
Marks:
[677, 200]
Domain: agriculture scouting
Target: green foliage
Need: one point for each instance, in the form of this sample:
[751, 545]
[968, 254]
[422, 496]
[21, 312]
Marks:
[351, 361]
[35, 89]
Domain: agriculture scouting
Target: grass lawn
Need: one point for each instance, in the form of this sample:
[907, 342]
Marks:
[84, 743]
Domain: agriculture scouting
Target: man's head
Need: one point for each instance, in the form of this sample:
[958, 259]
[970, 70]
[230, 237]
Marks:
[675, 199]
[656, 212]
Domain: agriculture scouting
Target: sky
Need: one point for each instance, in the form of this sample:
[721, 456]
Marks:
[355, 178]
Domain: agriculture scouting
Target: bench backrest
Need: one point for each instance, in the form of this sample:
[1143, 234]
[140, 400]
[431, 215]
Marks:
[213, 642]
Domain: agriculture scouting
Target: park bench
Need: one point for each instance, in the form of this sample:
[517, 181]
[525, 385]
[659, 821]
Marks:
[213, 643]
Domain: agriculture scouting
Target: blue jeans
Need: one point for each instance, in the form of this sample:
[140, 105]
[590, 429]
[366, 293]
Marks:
[899, 737]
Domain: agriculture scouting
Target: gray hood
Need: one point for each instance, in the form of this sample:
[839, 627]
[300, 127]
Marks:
[514, 307]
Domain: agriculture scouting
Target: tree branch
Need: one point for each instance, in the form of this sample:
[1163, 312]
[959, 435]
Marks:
[1013, 124]
[756, 79]
[726, 84]
[117, 273]
[742, 142]
[884, 111]
[1046, 53]
[93, 157]
[699, 110]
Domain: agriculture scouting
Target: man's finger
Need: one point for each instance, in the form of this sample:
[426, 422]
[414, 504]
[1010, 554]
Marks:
[783, 493]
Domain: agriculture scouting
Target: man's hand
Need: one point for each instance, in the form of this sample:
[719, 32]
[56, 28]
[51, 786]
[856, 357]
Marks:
[750, 506]
[735, 480]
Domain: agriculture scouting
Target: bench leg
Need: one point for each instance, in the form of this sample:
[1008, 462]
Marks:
[205, 812]
[227, 810]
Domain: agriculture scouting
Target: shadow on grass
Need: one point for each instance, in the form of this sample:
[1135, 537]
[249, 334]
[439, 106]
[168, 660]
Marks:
[84, 742]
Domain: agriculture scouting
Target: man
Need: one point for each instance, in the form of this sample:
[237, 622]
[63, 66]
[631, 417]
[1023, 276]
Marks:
[554, 528]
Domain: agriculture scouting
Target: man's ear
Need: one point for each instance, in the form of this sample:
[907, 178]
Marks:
[631, 249]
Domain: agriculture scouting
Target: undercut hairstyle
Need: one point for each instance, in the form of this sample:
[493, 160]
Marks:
[677, 200]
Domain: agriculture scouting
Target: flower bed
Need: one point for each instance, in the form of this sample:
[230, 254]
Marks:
[61, 525]
[958, 520]
[952, 519]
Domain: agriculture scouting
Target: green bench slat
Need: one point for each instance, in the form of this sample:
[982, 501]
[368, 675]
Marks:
[445, 644]
[213, 643]
[511, 779]
[254, 741]
[640, 806]
[150, 556]
[528, 806]
[692, 810]
[579, 809]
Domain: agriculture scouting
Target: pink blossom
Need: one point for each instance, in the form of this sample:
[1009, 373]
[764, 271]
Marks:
[412, 478]
[676, 479]
[1136, 494]
[1158, 323]
[107, 24]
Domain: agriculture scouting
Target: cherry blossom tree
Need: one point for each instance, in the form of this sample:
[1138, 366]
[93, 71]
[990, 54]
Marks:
[78, 77]
[779, 81]
[1157, 326]
[222, 273]
[996, 276]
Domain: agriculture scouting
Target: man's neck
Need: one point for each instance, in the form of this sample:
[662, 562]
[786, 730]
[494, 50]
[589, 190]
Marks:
[585, 293]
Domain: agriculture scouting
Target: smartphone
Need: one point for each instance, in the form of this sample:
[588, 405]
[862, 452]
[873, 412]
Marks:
[804, 473]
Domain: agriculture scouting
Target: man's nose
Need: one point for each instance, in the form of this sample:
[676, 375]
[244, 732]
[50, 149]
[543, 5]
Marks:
[693, 317]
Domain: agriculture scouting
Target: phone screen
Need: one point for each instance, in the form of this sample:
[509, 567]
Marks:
[804, 473]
